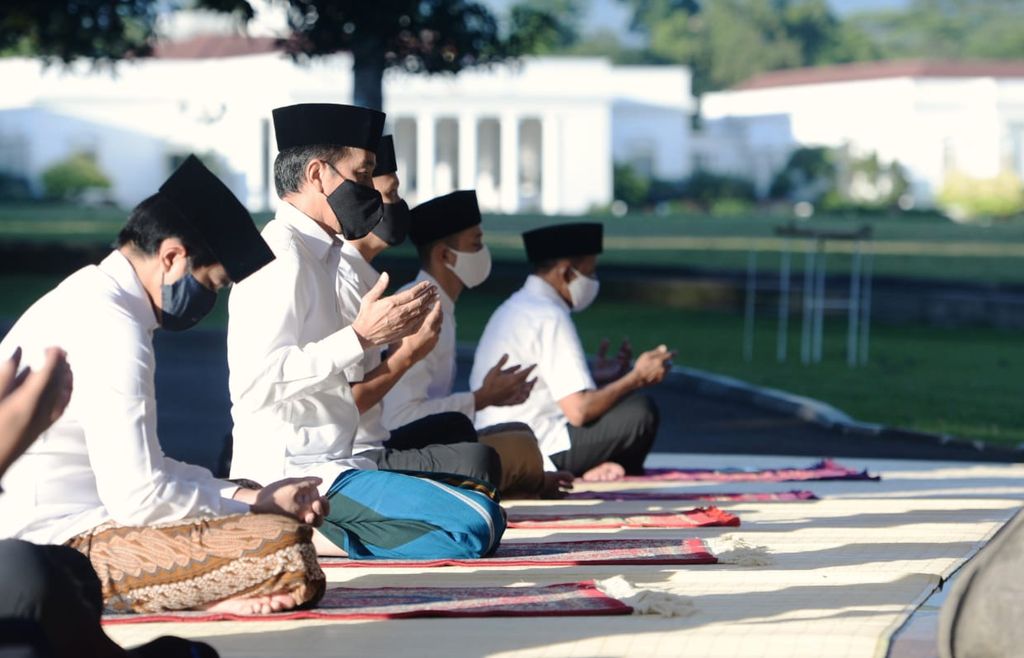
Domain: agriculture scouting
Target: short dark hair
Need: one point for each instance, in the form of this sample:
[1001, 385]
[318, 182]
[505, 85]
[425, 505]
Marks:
[546, 265]
[424, 249]
[156, 219]
[290, 164]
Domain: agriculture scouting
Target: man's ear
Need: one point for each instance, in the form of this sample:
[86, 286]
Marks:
[446, 255]
[565, 270]
[314, 174]
[173, 257]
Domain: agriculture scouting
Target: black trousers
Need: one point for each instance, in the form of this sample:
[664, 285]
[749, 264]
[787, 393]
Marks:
[45, 592]
[624, 435]
[442, 443]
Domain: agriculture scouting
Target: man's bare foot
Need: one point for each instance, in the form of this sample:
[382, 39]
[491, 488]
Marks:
[262, 604]
[605, 472]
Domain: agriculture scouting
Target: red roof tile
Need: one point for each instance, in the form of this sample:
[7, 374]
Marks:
[213, 46]
[886, 69]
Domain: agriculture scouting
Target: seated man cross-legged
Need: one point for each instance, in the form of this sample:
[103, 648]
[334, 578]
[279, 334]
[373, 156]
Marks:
[598, 433]
[434, 442]
[160, 534]
[448, 235]
[289, 345]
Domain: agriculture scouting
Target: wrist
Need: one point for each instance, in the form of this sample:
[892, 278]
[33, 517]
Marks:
[479, 400]
[244, 495]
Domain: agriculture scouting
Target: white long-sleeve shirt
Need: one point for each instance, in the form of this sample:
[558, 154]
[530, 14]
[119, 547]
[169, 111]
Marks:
[534, 326]
[355, 278]
[101, 461]
[426, 388]
[288, 347]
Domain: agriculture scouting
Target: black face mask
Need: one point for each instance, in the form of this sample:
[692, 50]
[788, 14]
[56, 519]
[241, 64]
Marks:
[184, 303]
[395, 225]
[358, 208]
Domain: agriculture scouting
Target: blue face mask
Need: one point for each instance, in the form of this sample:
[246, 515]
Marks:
[184, 303]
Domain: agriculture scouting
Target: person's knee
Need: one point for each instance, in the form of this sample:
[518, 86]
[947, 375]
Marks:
[486, 463]
[27, 579]
[481, 529]
[300, 571]
[643, 416]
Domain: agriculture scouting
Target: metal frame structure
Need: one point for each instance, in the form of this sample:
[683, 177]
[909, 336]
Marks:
[857, 302]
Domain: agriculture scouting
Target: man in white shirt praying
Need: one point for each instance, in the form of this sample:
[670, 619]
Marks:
[436, 440]
[160, 534]
[289, 345]
[448, 234]
[596, 432]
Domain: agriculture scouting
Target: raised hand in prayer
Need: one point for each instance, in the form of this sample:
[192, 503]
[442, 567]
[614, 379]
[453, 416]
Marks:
[504, 387]
[31, 401]
[652, 366]
[607, 370]
[294, 497]
[384, 320]
[419, 344]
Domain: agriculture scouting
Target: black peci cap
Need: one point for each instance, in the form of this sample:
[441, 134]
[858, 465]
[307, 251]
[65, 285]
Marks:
[310, 124]
[563, 241]
[444, 216]
[386, 162]
[220, 218]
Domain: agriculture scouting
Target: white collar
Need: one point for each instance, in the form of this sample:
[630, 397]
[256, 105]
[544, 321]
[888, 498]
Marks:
[313, 236]
[363, 269]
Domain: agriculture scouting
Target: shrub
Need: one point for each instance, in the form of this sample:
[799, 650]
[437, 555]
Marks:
[705, 188]
[630, 186]
[968, 199]
[70, 178]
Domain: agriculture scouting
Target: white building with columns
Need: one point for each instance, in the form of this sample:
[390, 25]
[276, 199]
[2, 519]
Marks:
[540, 135]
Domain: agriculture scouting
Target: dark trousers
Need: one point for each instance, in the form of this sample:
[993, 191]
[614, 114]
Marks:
[624, 435]
[982, 616]
[442, 443]
[46, 593]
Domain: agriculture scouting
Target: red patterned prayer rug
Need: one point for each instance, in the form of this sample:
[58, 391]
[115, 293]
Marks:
[694, 518]
[759, 497]
[562, 553]
[564, 600]
[826, 469]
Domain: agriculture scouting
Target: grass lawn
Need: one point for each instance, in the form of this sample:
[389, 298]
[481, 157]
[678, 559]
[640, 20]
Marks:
[967, 383]
[962, 382]
[903, 246]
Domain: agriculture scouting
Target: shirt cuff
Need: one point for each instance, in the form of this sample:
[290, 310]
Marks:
[228, 490]
[343, 348]
[549, 466]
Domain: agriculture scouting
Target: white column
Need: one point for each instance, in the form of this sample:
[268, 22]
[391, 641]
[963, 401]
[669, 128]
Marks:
[550, 165]
[425, 153]
[467, 151]
[509, 163]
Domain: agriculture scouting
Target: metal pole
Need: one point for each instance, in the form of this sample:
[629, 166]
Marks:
[748, 328]
[782, 337]
[865, 319]
[808, 310]
[819, 305]
[853, 308]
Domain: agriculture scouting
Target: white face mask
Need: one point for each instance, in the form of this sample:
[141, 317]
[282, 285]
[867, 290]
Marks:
[472, 267]
[583, 290]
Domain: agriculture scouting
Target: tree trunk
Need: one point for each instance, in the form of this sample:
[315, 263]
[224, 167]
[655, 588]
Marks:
[368, 74]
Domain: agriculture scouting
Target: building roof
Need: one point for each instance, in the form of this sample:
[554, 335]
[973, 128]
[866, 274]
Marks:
[216, 45]
[912, 68]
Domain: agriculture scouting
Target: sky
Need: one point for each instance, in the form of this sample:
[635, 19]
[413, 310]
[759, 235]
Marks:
[614, 15]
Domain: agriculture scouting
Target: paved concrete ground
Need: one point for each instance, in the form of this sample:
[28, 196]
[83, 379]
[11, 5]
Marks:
[194, 415]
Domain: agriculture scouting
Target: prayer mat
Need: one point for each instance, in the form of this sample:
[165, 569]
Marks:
[761, 497]
[694, 518]
[563, 600]
[562, 553]
[826, 469]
